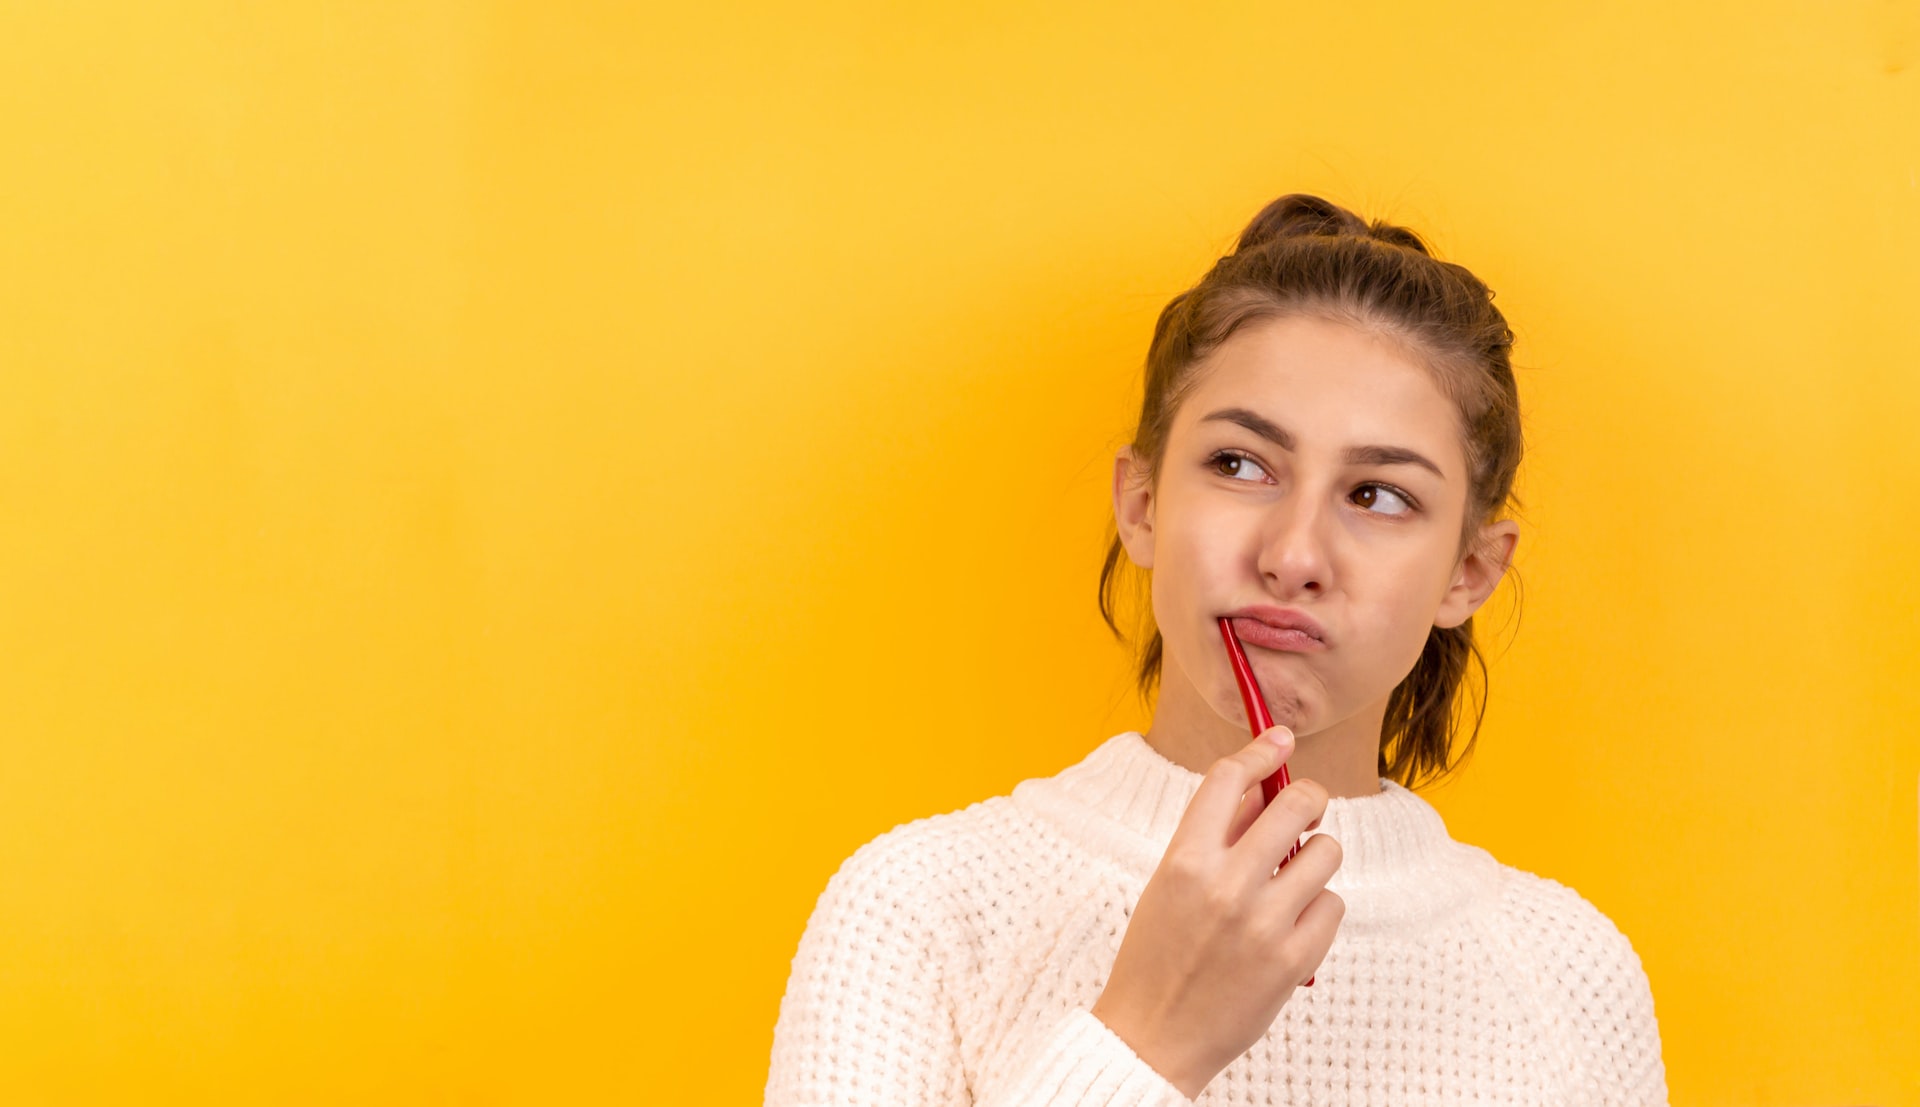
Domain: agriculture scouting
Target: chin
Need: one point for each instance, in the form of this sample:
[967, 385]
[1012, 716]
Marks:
[1285, 707]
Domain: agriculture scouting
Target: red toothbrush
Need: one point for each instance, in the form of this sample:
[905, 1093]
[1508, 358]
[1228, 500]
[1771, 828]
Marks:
[1259, 720]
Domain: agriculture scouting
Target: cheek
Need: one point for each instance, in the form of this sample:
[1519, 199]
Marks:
[1402, 616]
[1399, 593]
[1194, 563]
[1197, 563]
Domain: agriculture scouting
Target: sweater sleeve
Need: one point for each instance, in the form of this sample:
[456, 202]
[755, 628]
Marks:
[1619, 1023]
[869, 1016]
[1082, 1062]
[1609, 1000]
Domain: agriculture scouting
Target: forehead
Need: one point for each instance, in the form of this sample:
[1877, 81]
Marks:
[1332, 384]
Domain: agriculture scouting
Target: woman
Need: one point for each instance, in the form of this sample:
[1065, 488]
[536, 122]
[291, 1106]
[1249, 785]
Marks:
[1325, 454]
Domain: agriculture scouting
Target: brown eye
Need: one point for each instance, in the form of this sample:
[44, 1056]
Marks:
[1237, 466]
[1369, 494]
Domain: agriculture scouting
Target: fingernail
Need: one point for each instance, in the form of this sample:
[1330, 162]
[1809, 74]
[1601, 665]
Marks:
[1279, 736]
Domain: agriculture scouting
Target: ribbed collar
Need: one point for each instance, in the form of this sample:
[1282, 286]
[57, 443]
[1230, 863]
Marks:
[1399, 865]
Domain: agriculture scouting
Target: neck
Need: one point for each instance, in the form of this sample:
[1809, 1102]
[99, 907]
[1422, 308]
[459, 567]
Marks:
[1342, 756]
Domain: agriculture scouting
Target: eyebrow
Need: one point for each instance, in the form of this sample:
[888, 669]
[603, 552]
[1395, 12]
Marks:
[1356, 455]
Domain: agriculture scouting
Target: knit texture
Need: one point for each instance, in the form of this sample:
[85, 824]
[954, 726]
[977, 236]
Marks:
[954, 960]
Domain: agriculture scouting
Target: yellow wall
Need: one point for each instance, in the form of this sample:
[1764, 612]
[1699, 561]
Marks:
[496, 501]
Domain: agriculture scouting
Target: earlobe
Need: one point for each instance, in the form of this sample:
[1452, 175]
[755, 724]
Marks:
[1133, 507]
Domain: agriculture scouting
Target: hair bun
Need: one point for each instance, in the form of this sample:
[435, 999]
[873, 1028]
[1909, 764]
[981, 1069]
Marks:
[1301, 214]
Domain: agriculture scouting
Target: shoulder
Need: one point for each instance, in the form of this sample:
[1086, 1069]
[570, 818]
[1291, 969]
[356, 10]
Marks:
[1561, 926]
[1570, 957]
[917, 870]
[869, 1003]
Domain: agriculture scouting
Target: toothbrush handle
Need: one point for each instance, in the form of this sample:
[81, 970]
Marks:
[1259, 720]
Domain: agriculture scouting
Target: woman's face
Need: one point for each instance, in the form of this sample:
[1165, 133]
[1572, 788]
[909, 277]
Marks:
[1315, 470]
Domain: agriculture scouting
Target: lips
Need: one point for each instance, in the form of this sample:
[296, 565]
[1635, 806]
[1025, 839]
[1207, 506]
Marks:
[1279, 628]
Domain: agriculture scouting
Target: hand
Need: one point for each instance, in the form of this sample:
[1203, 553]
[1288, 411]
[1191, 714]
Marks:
[1218, 942]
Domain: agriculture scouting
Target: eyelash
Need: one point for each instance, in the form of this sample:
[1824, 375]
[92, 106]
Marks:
[1413, 505]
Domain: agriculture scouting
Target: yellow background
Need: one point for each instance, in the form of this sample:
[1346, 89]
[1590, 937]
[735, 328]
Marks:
[498, 500]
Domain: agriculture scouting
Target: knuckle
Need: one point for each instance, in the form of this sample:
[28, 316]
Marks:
[1227, 769]
[1300, 798]
[1238, 767]
[1270, 930]
[1182, 865]
[1219, 902]
[1296, 951]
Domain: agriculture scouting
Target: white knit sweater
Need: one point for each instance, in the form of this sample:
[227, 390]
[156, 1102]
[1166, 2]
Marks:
[953, 960]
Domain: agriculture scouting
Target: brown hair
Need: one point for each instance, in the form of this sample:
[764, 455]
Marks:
[1303, 255]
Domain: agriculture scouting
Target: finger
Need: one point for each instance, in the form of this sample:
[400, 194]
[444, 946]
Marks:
[1302, 879]
[1317, 925]
[1271, 837]
[1211, 811]
[1251, 805]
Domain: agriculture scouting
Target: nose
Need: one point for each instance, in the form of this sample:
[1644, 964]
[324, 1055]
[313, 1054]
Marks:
[1295, 547]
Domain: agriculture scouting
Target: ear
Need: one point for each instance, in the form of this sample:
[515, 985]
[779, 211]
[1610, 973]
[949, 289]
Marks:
[1478, 572]
[1133, 507]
